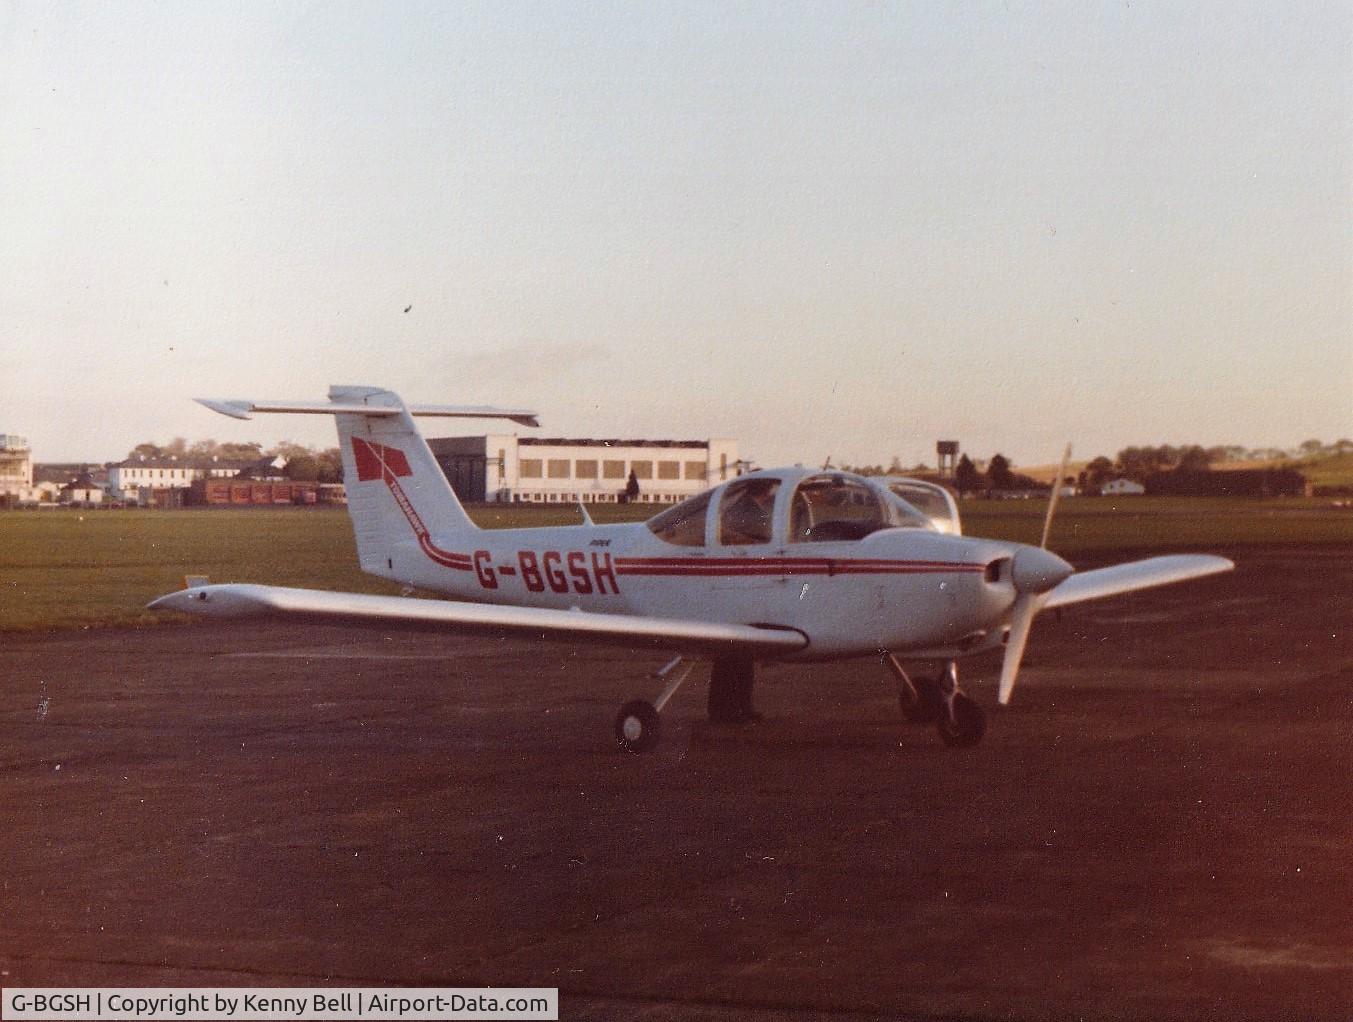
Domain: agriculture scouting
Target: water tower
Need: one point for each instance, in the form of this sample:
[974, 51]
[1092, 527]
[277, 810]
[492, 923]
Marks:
[946, 451]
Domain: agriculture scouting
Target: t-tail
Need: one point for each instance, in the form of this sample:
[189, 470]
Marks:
[397, 493]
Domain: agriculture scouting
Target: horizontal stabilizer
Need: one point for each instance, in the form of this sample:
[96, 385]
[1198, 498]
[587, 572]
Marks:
[1124, 578]
[242, 600]
[238, 408]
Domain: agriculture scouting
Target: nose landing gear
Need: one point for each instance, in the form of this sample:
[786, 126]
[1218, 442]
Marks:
[960, 721]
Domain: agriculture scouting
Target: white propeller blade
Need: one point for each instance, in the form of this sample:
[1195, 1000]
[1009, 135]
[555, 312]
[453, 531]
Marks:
[1020, 623]
[1056, 492]
[1035, 573]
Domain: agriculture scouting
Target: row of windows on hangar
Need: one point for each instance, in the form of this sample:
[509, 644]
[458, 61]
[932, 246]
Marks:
[589, 497]
[591, 468]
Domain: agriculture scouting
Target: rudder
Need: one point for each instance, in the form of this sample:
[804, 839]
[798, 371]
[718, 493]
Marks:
[396, 490]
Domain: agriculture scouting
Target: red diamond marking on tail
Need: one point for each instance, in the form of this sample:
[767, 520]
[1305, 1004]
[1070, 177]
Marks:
[396, 462]
[374, 460]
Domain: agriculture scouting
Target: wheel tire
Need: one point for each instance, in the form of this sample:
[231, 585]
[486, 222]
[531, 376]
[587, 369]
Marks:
[926, 709]
[966, 726]
[638, 726]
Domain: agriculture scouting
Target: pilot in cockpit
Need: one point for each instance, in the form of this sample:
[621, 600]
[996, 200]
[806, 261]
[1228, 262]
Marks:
[746, 514]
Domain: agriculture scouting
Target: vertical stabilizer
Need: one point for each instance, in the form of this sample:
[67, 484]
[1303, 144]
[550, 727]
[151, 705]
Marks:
[397, 493]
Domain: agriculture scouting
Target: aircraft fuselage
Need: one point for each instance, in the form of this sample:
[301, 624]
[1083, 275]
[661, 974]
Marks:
[897, 589]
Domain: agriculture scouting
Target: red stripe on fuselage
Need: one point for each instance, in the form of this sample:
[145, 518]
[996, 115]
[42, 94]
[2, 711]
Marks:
[756, 566]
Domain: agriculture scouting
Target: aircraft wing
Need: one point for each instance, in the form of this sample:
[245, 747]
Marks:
[242, 600]
[1124, 578]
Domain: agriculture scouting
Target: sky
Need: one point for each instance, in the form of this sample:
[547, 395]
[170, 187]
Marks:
[824, 229]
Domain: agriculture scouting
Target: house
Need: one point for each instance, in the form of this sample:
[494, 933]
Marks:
[1122, 488]
[136, 478]
[82, 491]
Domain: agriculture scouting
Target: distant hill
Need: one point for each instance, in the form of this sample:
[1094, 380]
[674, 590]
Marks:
[1045, 473]
[1328, 470]
[1321, 470]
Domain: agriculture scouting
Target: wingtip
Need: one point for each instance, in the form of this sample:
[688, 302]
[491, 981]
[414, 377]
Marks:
[169, 601]
[234, 409]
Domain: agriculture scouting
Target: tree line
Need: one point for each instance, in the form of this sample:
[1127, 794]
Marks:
[1137, 463]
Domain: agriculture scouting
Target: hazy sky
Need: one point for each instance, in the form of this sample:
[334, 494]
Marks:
[829, 228]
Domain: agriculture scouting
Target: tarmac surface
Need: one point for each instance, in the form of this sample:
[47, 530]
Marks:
[1159, 827]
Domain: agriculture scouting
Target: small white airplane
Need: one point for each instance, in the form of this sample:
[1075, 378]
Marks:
[782, 565]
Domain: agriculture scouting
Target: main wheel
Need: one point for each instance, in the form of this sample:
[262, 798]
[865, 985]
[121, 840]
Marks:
[926, 709]
[966, 725]
[638, 726]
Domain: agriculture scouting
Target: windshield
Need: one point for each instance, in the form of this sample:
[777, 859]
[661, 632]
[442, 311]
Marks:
[683, 525]
[905, 515]
[932, 501]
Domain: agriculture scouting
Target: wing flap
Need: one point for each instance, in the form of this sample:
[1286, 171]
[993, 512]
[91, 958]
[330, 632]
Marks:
[1125, 578]
[243, 600]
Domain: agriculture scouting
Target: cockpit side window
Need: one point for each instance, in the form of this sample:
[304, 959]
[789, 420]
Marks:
[683, 525]
[833, 507]
[745, 512]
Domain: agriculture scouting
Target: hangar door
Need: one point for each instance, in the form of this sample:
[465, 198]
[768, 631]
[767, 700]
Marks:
[466, 473]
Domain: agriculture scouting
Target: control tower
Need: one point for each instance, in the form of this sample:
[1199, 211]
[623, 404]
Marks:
[16, 464]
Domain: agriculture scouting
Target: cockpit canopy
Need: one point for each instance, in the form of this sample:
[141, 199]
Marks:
[789, 506]
[931, 499]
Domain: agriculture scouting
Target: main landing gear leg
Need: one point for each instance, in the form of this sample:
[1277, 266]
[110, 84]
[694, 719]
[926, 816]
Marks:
[638, 726]
[730, 691]
[959, 720]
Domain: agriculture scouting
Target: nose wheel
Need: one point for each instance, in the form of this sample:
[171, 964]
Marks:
[958, 718]
[964, 724]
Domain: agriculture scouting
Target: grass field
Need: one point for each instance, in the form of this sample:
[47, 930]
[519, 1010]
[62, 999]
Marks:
[1094, 524]
[69, 569]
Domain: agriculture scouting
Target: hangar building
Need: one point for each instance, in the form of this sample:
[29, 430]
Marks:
[506, 468]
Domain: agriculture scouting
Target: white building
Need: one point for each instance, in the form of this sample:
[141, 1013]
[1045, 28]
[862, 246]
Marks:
[1122, 488]
[504, 467]
[82, 491]
[128, 478]
[16, 465]
[39, 494]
